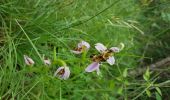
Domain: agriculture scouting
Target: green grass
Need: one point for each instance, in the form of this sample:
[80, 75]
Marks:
[54, 27]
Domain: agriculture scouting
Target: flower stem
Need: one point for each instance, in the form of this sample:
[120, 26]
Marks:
[60, 62]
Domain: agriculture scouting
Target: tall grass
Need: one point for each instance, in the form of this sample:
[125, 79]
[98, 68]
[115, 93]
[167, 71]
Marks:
[54, 27]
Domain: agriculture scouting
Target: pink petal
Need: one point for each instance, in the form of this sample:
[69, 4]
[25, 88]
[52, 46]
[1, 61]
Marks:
[100, 47]
[84, 43]
[115, 49]
[76, 52]
[111, 60]
[28, 60]
[92, 67]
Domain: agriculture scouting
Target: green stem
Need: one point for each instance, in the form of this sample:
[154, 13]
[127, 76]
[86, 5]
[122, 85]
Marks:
[60, 62]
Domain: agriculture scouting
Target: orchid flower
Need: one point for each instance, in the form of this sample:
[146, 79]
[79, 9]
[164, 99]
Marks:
[47, 62]
[28, 60]
[105, 55]
[103, 50]
[81, 47]
[63, 72]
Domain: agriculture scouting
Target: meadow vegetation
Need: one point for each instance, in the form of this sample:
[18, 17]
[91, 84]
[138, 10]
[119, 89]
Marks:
[51, 28]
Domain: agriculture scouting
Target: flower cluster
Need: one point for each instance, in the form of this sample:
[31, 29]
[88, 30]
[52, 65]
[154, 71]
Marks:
[105, 55]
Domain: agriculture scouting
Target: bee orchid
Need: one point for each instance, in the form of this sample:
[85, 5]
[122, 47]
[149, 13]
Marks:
[105, 55]
[81, 47]
[47, 62]
[28, 60]
[63, 72]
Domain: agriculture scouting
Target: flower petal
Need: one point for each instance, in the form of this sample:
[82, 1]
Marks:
[28, 60]
[84, 43]
[111, 60]
[76, 52]
[47, 62]
[67, 73]
[100, 47]
[92, 67]
[115, 49]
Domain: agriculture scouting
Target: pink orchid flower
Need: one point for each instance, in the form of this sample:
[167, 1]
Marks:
[81, 47]
[28, 60]
[105, 55]
[63, 72]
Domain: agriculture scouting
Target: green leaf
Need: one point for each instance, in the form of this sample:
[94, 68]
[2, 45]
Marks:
[148, 93]
[54, 54]
[120, 90]
[112, 84]
[158, 97]
[125, 72]
[159, 90]
[146, 76]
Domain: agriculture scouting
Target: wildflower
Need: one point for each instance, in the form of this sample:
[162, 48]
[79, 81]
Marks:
[63, 72]
[81, 47]
[105, 55]
[47, 62]
[28, 60]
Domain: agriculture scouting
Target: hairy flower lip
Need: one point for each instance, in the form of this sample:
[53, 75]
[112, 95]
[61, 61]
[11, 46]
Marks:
[62, 73]
[28, 60]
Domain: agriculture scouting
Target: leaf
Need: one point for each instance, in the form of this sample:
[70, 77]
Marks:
[125, 72]
[148, 93]
[146, 76]
[120, 90]
[112, 84]
[158, 90]
[158, 97]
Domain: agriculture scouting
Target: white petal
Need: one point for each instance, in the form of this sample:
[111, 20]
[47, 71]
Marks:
[84, 43]
[100, 47]
[111, 60]
[47, 62]
[92, 67]
[67, 73]
[76, 52]
[28, 60]
[115, 49]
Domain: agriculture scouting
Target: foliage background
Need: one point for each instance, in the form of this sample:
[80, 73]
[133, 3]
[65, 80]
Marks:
[142, 25]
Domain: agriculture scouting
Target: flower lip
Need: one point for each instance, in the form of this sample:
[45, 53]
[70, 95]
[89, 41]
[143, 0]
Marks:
[63, 72]
[28, 60]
